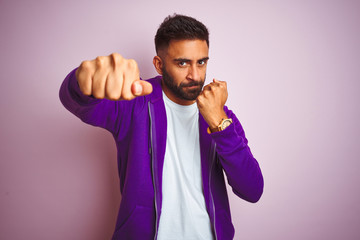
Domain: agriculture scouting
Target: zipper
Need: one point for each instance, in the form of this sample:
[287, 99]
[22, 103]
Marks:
[213, 145]
[153, 171]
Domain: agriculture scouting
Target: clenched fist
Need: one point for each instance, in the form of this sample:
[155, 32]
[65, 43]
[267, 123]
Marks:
[211, 102]
[112, 77]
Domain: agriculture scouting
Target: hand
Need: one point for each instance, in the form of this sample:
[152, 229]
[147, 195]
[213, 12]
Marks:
[211, 102]
[112, 77]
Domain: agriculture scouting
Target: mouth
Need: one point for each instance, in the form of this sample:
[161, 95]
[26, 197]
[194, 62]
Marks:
[192, 85]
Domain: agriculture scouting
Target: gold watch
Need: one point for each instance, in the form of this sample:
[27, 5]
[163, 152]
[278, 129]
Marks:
[225, 122]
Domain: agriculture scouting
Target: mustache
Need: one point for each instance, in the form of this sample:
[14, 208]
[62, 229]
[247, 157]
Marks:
[191, 84]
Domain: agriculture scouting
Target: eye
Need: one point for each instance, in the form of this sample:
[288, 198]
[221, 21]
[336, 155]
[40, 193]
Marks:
[182, 64]
[201, 62]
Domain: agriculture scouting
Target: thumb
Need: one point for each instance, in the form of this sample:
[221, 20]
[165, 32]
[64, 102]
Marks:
[141, 88]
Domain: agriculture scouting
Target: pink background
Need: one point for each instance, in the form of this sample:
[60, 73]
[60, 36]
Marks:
[292, 69]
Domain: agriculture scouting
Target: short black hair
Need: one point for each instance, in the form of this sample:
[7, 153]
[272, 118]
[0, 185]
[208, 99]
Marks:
[180, 27]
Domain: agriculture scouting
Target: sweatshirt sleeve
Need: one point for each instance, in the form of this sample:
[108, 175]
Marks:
[241, 168]
[97, 112]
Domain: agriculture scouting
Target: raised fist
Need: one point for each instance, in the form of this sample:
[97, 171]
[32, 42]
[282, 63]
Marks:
[211, 102]
[112, 77]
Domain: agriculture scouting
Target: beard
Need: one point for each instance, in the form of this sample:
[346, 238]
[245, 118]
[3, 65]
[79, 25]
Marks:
[181, 91]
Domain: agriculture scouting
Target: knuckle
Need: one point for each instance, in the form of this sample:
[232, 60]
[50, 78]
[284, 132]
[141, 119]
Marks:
[119, 63]
[85, 65]
[100, 61]
[132, 64]
[116, 58]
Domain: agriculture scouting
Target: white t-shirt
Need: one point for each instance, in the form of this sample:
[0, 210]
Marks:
[183, 213]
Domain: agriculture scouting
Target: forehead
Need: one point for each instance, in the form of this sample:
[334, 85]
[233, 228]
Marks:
[189, 49]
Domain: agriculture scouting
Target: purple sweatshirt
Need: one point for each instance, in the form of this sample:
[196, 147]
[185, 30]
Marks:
[139, 130]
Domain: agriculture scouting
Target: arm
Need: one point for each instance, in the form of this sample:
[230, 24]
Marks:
[241, 168]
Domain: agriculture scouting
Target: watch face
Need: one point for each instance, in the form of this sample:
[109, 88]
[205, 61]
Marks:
[225, 123]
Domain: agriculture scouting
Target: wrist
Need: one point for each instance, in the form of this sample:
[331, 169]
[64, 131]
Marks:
[216, 120]
[225, 122]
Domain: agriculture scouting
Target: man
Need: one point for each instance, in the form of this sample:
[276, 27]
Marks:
[174, 137]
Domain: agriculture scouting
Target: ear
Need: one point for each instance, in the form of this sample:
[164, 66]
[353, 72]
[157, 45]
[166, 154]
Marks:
[158, 64]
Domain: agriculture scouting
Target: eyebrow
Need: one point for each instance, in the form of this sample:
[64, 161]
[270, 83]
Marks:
[188, 60]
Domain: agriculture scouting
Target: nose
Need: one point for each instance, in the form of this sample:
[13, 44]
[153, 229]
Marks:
[194, 73]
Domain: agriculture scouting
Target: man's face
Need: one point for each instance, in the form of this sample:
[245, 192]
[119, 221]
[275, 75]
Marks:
[184, 70]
